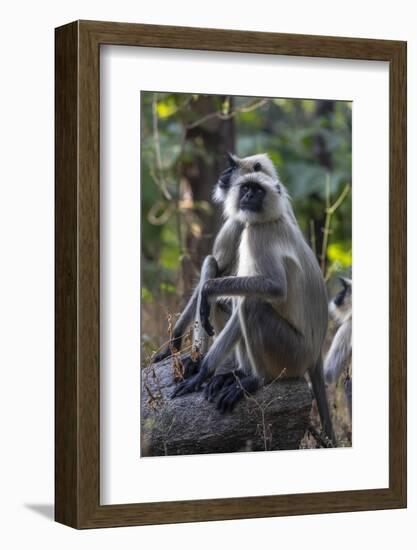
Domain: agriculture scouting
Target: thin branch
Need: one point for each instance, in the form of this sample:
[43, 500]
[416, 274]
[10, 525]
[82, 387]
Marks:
[250, 106]
[322, 440]
[330, 210]
[157, 146]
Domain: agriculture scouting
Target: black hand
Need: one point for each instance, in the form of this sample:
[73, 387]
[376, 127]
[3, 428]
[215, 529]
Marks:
[192, 384]
[175, 344]
[216, 384]
[205, 314]
[162, 355]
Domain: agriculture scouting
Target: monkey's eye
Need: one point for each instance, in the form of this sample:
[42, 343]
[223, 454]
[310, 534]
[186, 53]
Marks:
[257, 167]
[245, 188]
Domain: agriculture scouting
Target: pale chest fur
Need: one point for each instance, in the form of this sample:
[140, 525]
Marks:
[246, 263]
[277, 252]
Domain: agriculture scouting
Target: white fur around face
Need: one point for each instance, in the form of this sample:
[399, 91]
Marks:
[219, 194]
[274, 200]
[343, 312]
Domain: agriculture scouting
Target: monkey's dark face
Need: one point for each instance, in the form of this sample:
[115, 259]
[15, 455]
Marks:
[341, 305]
[238, 168]
[251, 196]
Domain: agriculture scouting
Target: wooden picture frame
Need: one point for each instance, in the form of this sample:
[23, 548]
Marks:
[77, 375]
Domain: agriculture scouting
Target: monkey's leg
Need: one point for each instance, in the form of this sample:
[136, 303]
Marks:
[219, 351]
[220, 314]
[180, 327]
[243, 383]
[259, 285]
[200, 337]
[319, 390]
[186, 317]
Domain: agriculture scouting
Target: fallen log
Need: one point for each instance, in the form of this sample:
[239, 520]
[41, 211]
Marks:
[276, 417]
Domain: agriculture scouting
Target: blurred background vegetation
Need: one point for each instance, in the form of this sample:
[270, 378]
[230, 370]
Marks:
[185, 138]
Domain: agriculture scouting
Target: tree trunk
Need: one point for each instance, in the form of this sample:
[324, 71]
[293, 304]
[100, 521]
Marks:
[276, 417]
[324, 111]
[214, 137]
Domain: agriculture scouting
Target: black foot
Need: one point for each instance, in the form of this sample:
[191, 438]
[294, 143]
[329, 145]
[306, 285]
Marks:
[218, 382]
[168, 351]
[190, 367]
[232, 394]
[192, 384]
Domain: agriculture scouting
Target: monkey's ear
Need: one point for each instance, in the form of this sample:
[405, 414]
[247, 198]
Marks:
[347, 283]
[231, 160]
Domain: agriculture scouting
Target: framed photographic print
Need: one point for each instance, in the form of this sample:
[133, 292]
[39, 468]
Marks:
[217, 193]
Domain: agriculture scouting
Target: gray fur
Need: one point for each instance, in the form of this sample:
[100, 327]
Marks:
[279, 293]
[225, 250]
[339, 356]
[279, 289]
[340, 353]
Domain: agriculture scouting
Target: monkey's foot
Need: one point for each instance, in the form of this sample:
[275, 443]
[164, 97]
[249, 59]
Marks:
[192, 384]
[190, 367]
[233, 393]
[175, 345]
[218, 382]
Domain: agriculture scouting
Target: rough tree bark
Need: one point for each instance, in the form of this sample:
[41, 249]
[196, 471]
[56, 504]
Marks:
[276, 418]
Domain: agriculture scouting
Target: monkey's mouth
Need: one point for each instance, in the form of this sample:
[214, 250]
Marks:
[250, 206]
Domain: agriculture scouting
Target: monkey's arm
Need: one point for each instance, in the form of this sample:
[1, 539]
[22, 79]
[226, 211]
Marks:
[221, 348]
[209, 269]
[268, 288]
[226, 245]
[180, 327]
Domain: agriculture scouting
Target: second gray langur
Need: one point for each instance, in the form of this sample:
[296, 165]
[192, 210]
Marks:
[280, 315]
[222, 262]
[339, 356]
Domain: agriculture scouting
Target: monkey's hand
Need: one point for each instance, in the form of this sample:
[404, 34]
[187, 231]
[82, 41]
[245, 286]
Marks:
[205, 313]
[174, 345]
[220, 381]
[192, 384]
[162, 355]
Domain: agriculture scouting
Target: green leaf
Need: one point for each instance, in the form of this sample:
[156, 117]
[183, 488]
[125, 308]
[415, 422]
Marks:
[337, 253]
[167, 107]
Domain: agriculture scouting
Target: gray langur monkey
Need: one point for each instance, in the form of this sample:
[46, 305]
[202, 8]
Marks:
[339, 357]
[222, 262]
[280, 314]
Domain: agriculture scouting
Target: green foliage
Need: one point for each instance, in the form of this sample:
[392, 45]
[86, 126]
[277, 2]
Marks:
[337, 253]
[308, 141]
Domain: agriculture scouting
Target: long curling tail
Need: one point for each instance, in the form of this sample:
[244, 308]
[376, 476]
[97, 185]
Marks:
[319, 390]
